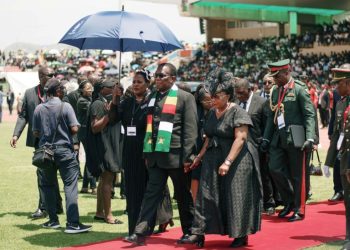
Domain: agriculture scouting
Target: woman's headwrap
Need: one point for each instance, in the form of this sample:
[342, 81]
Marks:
[219, 80]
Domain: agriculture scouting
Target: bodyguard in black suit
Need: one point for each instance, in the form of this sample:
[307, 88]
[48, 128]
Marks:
[257, 108]
[164, 160]
[32, 98]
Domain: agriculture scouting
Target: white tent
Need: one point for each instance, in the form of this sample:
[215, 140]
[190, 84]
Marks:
[20, 81]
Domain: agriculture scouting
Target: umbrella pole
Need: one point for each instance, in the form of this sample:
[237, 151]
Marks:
[120, 67]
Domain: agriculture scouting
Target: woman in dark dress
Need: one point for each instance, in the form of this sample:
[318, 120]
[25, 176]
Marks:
[132, 112]
[204, 104]
[103, 156]
[83, 106]
[229, 199]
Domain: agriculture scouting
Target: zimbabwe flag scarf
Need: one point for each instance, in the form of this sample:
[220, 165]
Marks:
[166, 123]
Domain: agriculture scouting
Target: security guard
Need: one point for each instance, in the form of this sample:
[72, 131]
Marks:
[341, 76]
[290, 105]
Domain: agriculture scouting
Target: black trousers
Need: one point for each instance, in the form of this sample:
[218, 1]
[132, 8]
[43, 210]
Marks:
[153, 196]
[271, 194]
[42, 205]
[337, 183]
[286, 170]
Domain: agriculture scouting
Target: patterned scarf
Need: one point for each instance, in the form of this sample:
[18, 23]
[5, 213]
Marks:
[165, 126]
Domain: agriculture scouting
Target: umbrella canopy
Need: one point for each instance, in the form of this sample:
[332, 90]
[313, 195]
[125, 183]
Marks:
[121, 31]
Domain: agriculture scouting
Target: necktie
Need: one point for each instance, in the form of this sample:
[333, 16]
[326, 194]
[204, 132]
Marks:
[267, 96]
[244, 105]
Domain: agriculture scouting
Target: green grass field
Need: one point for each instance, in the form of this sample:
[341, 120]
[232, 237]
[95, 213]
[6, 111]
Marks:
[19, 197]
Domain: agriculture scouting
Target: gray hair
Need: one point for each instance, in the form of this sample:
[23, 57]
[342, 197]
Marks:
[242, 83]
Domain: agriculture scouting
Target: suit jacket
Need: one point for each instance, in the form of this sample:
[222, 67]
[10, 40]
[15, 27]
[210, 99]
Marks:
[258, 112]
[30, 101]
[184, 135]
[298, 110]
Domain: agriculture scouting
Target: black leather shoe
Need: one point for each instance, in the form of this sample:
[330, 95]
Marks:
[183, 238]
[239, 242]
[38, 214]
[285, 211]
[296, 217]
[136, 239]
[337, 197]
[162, 227]
[195, 239]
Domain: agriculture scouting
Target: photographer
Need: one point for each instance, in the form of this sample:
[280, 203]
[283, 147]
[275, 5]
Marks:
[45, 128]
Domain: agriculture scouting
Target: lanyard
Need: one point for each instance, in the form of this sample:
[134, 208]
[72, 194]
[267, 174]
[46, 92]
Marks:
[39, 95]
[346, 112]
[134, 111]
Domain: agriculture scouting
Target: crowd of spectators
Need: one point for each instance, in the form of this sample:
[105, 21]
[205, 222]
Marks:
[248, 58]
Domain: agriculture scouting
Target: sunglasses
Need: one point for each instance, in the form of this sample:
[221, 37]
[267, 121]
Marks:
[268, 82]
[49, 75]
[160, 75]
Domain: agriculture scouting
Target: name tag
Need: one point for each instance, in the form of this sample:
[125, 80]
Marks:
[280, 121]
[131, 131]
[340, 140]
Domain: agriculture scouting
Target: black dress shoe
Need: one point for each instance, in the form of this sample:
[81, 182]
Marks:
[162, 227]
[296, 217]
[285, 211]
[239, 242]
[38, 214]
[195, 239]
[183, 238]
[337, 197]
[136, 239]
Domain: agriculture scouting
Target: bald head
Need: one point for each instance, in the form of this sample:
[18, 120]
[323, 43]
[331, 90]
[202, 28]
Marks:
[45, 73]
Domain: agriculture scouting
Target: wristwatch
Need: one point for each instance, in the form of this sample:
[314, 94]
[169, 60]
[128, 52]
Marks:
[228, 162]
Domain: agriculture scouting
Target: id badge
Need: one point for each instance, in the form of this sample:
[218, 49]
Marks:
[340, 140]
[131, 131]
[280, 121]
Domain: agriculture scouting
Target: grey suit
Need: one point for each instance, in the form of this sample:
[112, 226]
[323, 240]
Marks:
[163, 165]
[31, 99]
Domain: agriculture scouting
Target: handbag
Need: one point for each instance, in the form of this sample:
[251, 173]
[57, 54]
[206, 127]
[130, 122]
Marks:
[315, 170]
[44, 156]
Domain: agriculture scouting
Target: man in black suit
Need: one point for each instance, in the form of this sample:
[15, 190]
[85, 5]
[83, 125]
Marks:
[170, 139]
[32, 98]
[257, 108]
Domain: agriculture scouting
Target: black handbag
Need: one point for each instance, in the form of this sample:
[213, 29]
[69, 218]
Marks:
[315, 170]
[44, 156]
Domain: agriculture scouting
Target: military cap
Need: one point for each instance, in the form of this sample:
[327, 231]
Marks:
[276, 67]
[107, 84]
[304, 76]
[343, 72]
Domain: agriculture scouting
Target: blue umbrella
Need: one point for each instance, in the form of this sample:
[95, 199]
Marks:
[121, 31]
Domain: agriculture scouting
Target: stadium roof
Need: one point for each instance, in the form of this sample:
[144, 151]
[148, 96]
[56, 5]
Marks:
[269, 10]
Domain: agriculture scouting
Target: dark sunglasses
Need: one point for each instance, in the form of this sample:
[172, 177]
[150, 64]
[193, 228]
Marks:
[49, 75]
[160, 75]
[267, 82]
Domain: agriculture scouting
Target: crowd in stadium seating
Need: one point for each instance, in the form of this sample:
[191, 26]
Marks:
[248, 58]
